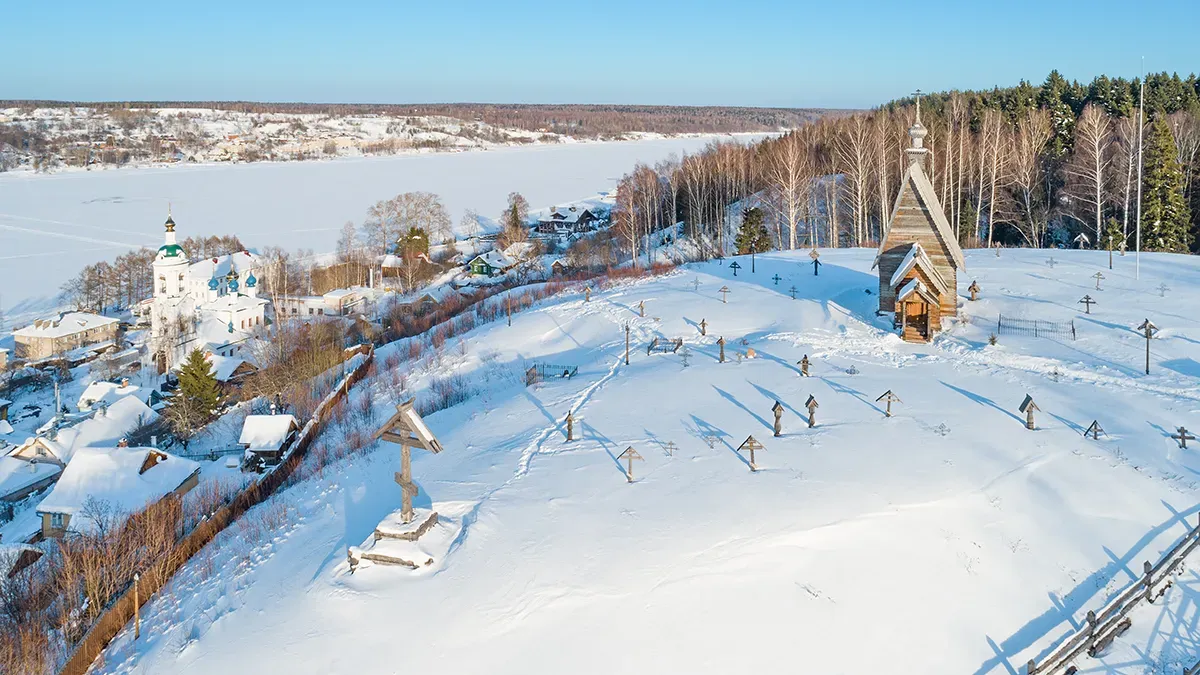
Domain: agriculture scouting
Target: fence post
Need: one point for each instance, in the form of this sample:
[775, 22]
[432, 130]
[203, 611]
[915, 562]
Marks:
[1031, 667]
[1072, 330]
[999, 322]
[1091, 634]
[1149, 581]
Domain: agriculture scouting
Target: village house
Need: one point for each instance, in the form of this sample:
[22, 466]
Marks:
[338, 302]
[123, 479]
[105, 393]
[566, 220]
[919, 257]
[268, 436]
[5, 404]
[229, 371]
[19, 478]
[74, 330]
[490, 264]
[106, 426]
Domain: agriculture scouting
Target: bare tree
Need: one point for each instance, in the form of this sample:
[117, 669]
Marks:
[790, 172]
[1088, 170]
[1032, 204]
[853, 161]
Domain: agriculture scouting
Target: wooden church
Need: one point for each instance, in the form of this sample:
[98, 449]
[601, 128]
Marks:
[919, 257]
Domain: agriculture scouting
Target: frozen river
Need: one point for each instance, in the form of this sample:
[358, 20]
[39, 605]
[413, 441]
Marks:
[51, 226]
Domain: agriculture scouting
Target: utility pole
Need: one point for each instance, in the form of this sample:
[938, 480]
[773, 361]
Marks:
[1137, 264]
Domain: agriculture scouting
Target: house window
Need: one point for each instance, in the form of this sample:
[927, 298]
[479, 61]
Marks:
[310, 311]
[321, 312]
[56, 521]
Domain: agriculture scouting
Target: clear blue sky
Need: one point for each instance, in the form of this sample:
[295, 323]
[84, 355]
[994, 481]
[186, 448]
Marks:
[832, 53]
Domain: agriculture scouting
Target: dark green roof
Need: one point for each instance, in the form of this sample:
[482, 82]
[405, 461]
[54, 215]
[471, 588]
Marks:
[171, 251]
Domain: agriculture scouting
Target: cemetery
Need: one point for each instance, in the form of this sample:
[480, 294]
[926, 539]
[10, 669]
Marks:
[1000, 478]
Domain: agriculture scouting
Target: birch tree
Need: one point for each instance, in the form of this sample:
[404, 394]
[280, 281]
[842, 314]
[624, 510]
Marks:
[1087, 172]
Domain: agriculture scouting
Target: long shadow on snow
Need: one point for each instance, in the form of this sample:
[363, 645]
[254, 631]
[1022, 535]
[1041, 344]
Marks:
[772, 396]
[1065, 607]
[703, 426]
[828, 287]
[729, 397]
[589, 431]
[981, 400]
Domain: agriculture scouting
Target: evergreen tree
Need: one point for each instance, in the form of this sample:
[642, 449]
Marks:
[1166, 218]
[752, 235]
[1113, 239]
[195, 401]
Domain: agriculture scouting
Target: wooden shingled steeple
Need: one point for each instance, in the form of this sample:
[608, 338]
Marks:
[919, 251]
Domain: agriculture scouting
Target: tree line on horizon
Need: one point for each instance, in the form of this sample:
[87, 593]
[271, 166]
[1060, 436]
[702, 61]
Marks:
[1020, 166]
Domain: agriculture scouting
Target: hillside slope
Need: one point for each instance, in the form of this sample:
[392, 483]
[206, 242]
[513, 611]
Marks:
[946, 539]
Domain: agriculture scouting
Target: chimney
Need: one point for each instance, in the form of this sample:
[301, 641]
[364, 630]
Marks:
[123, 443]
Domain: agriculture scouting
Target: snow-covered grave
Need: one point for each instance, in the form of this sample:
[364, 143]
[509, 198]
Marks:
[947, 538]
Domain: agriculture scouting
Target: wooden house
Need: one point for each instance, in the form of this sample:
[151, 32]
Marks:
[568, 220]
[269, 436]
[490, 264]
[919, 256]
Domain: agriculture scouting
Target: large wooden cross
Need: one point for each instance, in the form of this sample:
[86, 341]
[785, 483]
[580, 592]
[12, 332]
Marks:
[629, 455]
[1183, 436]
[1087, 303]
[751, 445]
[408, 430]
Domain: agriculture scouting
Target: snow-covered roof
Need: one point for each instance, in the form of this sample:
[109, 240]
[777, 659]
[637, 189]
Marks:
[916, 256]
[495, 258]
[219, 266]
[104, 428]
[18, 474]
[266, 433]
[340, 293]
[224, 367]
[565, 214]
[67, 324]
[104, 392]
[5, 428]
[115, 475]
[392, 261]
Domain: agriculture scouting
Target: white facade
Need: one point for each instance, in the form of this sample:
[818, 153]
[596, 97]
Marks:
[209, 304]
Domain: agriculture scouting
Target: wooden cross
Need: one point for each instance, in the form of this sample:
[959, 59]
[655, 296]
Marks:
[751, 444]
[918, 94]
[776, 279]
[792, 290]
[711, 439]
[804, 363]
[888, 397]
[406, 429]
[721, 344]
[735, 267]
[587, 292]
[1183, 436]
[685, 356]
[703, 327]
[642, 308]
[1051, 262]
[1094, 430]
[1148, 329]
[974, 289]
[670, 447]
[1098, 276]
[816, 267]
[778, 410]
[724, 291]
[812, 406]
[508, 308]
[570, 426]
[1027, 407]
[629, 455]
[1162, 290]
[1087, 304]
[626, 344]
[696, 284]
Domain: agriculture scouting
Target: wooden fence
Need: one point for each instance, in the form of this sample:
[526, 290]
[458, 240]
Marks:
[1035, 327]
[1106, 625]
[121, 611]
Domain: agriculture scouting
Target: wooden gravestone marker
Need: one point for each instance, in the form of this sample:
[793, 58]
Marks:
[721, 344]
[792, 290]
[1087, 304]
[777, 409]
[1028, 407]
[751, 445]
[406, 429]
[587, 292]
[703, 327]
[570, 426]
[670, 447]
[724, 291]
[1162, 290]
[735, 267]
[812, 406]
[1098, 276]
[888, 397]
[1094, 430]
[1051, 262]
[629, 455]
[1183, 436]
[696, 284]
[775, 279]
[626, 344]
[974, 289]
[642, 308]
[1148, 329]
[804, 363]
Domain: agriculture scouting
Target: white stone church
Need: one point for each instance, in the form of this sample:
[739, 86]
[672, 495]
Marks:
[211, 305]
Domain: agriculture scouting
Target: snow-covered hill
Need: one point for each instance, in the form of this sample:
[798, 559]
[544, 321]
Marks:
[946, 539]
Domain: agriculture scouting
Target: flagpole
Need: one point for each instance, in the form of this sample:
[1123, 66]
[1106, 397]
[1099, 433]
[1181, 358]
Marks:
[1137, 265]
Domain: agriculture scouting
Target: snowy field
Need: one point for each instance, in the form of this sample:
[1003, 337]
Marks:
[51, 226]
[947, 539]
